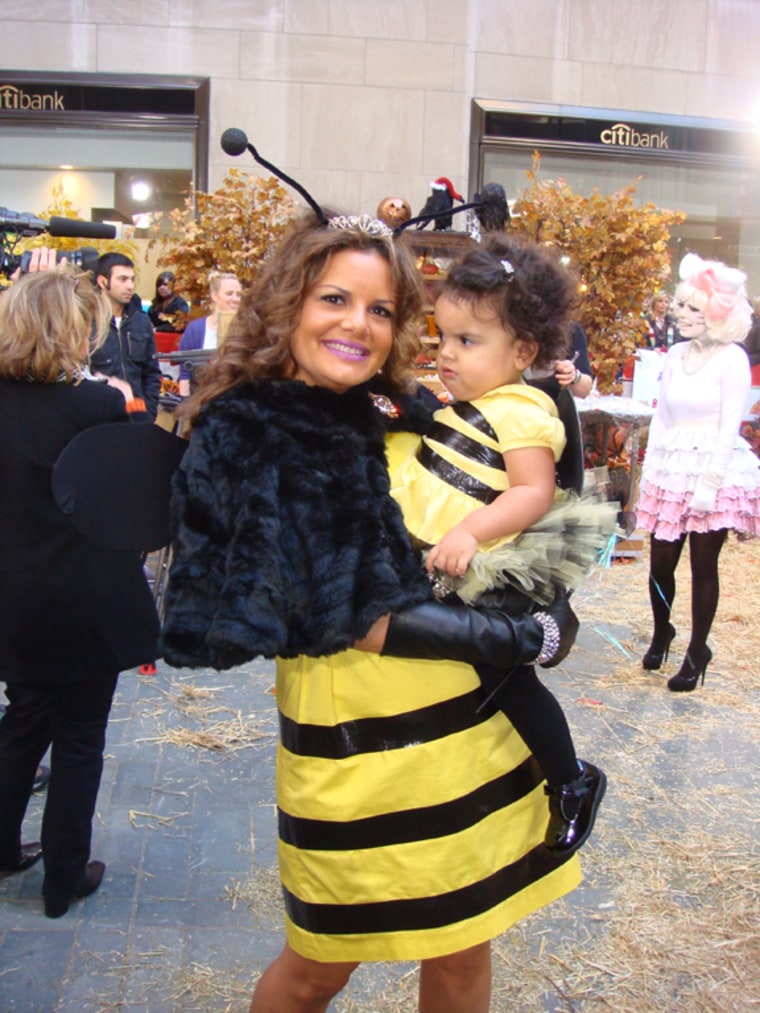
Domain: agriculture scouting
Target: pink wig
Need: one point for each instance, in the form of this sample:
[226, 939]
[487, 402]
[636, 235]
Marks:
[720, 292]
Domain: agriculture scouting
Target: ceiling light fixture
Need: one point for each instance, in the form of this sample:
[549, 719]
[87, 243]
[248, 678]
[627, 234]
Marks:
[140, 190]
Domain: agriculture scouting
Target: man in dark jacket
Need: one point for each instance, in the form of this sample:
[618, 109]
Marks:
[129, 351]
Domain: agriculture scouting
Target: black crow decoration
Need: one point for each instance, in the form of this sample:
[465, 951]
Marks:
[438, 203]
[493, 210]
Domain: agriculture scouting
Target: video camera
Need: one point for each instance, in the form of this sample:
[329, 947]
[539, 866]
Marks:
[15, 226]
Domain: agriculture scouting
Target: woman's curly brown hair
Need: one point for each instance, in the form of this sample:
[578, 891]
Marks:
[525, 284]
[258, 343]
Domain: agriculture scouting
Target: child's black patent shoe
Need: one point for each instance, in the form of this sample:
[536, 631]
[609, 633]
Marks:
[573, 808]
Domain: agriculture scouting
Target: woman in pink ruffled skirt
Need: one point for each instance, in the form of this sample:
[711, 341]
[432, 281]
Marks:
[700, 478]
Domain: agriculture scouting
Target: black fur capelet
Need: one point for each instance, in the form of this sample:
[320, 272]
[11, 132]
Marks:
[285, 538]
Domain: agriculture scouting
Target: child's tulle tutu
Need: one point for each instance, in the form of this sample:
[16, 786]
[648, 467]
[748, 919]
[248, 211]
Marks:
[577, 534]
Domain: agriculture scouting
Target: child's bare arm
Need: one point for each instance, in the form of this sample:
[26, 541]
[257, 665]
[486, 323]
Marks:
[531, 493]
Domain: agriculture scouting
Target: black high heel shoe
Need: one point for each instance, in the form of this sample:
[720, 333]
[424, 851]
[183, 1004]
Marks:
[654, 658]
[694, 665]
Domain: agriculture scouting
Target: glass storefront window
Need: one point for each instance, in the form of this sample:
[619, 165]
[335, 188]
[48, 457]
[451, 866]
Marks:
[722, 203]
[118, 147]
[106, 173]
[705, 168]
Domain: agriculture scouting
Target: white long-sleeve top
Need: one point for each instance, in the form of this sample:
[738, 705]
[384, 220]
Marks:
[714, 398]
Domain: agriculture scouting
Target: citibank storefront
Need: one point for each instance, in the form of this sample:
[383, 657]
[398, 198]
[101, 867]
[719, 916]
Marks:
[117, 146]
[706, 168]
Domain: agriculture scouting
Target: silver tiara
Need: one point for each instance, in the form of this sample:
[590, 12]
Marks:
[364, 223]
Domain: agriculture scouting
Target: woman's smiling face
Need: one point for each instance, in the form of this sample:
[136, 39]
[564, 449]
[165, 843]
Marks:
[346, 328]
[226, 298]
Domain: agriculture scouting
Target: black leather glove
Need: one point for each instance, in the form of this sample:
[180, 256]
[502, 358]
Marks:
[482, 635]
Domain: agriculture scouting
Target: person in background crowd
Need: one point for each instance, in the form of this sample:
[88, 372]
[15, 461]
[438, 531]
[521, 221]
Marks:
[129, 350]
[700, 478]
[575, 373]
[166, 305]
[224, 293]
[572, 373]
[662, 324]
[410, 811]
[74, 614]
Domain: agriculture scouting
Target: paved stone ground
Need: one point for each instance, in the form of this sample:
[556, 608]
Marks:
[189, 910]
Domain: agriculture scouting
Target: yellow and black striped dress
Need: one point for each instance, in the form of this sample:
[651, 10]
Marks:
[411, 826]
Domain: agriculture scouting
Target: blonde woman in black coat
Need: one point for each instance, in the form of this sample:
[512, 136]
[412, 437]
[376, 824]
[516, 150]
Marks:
[73, 614]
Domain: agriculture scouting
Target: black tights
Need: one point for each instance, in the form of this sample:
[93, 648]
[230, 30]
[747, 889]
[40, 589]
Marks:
[536, 714]
[704, 549]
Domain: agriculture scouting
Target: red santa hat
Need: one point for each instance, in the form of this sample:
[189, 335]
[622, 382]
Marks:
[442, 183]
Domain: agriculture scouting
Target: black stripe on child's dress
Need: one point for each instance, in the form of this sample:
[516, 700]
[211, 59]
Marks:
[454, 476]
[466, 446]
[470, 414]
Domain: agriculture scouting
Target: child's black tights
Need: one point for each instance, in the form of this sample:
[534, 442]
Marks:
[538, 718]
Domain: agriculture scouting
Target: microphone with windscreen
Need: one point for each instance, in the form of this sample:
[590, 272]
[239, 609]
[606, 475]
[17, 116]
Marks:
[16, 225]
[80, 230]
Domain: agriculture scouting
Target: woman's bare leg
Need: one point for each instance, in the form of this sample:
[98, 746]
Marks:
[293, 984]
[458, 983]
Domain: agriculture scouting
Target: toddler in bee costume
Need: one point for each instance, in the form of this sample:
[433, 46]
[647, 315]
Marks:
[479, 492]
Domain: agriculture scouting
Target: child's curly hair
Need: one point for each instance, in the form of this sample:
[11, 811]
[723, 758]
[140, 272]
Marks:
[532, 293]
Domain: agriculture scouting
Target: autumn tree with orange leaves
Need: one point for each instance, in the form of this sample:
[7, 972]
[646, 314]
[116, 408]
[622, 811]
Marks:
[232, 229]
[620, 251]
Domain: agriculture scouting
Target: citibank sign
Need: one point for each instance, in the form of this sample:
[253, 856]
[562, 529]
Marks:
[624, 136]
[15, 98]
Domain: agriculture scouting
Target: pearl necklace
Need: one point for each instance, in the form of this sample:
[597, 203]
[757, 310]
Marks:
[699, 353]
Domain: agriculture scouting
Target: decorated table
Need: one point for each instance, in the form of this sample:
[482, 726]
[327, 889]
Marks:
[612, 427]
